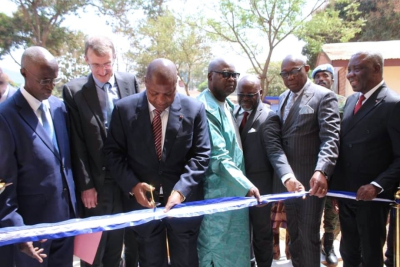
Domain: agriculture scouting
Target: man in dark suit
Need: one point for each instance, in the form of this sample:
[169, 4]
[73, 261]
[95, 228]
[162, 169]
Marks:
[90, 101]
[260, 132]
[310, 139]
[35, 158]
[6, 89]
[160, 137]
[369, 161]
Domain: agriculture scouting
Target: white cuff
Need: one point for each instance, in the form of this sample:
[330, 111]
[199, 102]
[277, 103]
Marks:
[286, 177]
[377, 185]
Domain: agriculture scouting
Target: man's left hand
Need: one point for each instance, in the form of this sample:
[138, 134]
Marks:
[174, 199]
[367, 192]
[253, 192]
[318, 185]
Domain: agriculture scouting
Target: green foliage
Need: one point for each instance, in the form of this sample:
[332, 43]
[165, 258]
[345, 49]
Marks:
[382, 20]
[173, 38]
[330, 25]
[202, 86]
[258, 26]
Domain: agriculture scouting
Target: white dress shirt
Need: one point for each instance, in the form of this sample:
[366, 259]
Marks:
[35, 104]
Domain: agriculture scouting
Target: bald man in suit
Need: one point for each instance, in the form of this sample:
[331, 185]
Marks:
[310, 138]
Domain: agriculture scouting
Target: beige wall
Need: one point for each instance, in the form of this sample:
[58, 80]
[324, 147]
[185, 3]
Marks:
[391, 75]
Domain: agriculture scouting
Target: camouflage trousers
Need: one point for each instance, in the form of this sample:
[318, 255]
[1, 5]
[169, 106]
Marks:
[331, 218]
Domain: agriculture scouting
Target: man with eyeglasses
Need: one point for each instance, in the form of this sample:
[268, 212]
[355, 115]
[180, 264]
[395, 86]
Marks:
[90, 101]
[259, 129]
[35, 160]
[6, 89]
[224, 238]
[310, 139]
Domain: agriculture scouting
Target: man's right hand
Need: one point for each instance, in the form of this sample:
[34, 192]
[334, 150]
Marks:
[89, 198]
[139, 191]
[293, 185]
[36, 253]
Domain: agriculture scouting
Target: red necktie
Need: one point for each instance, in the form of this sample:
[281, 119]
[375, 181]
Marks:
[157, 132]
[244, 120]
[359, 103]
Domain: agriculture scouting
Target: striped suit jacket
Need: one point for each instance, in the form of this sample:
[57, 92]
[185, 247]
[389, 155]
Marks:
[310, 134]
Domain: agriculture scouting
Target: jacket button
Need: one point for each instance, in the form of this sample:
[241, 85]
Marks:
[350, 145]
[65, 189]
[367, 131]
[159, 172]
[103, 168]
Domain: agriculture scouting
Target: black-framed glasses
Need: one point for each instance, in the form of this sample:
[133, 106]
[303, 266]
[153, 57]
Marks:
[247, 95]
[227, 74]
[44, 82]
[293, 72]
[106, 66]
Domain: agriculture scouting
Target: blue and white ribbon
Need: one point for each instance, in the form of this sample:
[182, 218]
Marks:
[11, 235]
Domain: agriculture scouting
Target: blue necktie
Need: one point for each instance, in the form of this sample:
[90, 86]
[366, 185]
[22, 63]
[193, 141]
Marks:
[110, 98]
[47, 126]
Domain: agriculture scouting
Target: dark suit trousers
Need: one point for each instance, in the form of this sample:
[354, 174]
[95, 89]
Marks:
[389, 254]
[109, 202]
[303, 224]
[59, 254]
[363, 225]
[182, 240]
[260, 218]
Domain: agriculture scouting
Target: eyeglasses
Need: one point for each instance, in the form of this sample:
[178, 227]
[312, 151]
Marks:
[45, 81]
[227, 75]
[247, 95]
[293, 72]
[106, 66]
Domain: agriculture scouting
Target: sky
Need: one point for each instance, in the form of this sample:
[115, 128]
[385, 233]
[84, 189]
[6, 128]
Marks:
[90, 23]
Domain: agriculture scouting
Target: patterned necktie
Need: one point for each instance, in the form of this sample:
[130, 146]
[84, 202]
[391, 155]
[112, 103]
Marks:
[47, 126]
[157, 127]
[244, 120]
[289, 105]
[359, 103]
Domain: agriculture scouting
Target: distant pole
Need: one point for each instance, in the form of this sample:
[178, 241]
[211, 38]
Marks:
[396, 238]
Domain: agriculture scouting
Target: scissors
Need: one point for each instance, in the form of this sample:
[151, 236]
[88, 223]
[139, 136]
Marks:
[3, 185]
[156, 204]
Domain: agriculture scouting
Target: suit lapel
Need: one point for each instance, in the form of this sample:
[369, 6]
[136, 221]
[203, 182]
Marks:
[282, 102]
[373, 101]
[250, 121]
[301, 101]
[92, 99]
[59, 126]
[123, 86]
[174, 124]
[31, 119]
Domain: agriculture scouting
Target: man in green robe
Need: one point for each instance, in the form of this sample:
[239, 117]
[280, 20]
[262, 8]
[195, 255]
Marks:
[224, 238]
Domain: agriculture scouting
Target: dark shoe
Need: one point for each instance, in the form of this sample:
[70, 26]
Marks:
[330, 257]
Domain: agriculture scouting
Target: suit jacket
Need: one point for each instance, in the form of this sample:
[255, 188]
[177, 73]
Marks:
[11, 91]
[131, 154]
[40, 175]
[87, 127]
[310, 134]
[370, 144]
[261, 141]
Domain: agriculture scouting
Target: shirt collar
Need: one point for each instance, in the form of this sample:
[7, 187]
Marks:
[32, 101]
[152, 108]
[370, 92]
[5, 95]
[100, 84]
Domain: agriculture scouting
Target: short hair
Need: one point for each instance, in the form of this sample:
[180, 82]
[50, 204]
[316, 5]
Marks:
[373, 56]
[99, 44]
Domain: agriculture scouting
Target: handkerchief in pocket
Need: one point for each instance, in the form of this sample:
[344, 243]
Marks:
[252, 130]
[306, 110]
